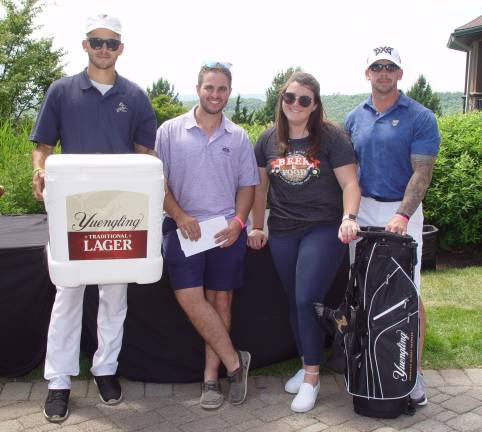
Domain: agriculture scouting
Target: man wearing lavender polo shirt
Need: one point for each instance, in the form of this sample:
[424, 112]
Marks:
[210, 171]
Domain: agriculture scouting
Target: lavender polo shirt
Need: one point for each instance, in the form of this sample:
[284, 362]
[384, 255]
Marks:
[204, 173]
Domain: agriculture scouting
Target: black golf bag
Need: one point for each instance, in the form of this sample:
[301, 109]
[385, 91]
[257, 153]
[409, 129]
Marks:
[376, 340]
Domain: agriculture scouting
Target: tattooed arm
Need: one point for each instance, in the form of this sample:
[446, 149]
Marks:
[414, 193]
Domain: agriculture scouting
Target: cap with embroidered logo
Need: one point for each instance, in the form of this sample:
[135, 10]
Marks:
[384, 53]
[103, 21]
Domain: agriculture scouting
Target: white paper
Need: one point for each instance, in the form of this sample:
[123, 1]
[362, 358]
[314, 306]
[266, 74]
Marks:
[209, 228]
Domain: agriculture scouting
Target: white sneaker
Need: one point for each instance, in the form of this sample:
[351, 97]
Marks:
[293, 384]
[306, 398]
[418, 394]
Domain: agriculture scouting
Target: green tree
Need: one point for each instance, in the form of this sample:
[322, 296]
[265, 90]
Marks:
[422, 92]
[163, 87]
[27, 66]
[166, 109]
[241, 115]
[165, 100]
[272, 94]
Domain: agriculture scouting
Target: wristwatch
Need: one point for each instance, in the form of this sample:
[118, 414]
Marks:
[349, 216]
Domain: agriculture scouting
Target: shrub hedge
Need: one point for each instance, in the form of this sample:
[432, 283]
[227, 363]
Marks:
[16, 171]
[453, 202]
[454, 199]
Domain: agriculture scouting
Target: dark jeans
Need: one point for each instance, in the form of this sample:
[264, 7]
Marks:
[307, 263]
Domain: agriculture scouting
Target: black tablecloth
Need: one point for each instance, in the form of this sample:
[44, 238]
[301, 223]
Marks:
[26, 293]
[160, 344]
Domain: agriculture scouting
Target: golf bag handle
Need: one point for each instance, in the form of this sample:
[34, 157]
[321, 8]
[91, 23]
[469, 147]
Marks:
[379, 232]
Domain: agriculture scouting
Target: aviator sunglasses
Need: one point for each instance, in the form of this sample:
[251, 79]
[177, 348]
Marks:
[290, 98]
[97, 43]
[378, 67]
[217, 65]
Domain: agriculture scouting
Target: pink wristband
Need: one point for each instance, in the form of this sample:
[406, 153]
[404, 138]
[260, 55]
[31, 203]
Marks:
[405, 218]
[240, 221]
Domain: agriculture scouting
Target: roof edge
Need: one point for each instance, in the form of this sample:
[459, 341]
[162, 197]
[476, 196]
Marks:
[455, 44]
[468, 31]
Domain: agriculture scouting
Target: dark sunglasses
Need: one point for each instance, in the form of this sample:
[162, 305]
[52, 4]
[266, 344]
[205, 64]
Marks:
[97, 43]
[378, 67]
[290, 98]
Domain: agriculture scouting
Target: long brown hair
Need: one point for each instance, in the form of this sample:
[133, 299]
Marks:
[315, 123]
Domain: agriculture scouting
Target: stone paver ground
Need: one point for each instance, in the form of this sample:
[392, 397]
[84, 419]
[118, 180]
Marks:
[455, 404]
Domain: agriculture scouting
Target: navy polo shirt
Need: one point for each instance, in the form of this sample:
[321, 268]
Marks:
[85, 121]
[384, 142]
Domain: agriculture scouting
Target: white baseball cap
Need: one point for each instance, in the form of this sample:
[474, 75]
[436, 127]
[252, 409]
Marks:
[384, 53]
[103, 21]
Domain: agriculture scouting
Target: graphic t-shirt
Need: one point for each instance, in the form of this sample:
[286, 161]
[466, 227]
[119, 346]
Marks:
[304, 192]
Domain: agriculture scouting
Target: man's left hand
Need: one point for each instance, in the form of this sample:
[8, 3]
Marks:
[228, 235]
[397, 224]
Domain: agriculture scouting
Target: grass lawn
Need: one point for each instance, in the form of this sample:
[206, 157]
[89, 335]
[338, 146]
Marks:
[453, 300]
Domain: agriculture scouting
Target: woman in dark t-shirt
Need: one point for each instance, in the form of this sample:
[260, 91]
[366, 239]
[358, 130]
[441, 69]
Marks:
[308, 172]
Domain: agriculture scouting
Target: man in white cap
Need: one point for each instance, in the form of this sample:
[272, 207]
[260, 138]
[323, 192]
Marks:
[396, 142]
[95, 111]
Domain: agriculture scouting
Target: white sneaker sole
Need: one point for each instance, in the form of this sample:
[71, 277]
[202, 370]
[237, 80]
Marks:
[420, 402]
[112, 401]
[302, 410]
[56, 419]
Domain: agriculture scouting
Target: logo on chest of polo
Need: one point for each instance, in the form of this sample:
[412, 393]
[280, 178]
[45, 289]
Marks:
[295, 168]
[122, 107]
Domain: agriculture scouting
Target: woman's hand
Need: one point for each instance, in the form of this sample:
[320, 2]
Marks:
[257, 239]
[348, 231]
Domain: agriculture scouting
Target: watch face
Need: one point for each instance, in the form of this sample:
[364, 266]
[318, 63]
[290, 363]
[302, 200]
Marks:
[350, 217]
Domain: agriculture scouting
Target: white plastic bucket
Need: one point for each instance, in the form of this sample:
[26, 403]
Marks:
[105, 218]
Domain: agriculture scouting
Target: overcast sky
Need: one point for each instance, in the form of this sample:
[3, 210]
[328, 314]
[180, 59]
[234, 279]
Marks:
[330, 39]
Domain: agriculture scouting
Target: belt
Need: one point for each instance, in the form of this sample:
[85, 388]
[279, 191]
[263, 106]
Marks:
[380, 199]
